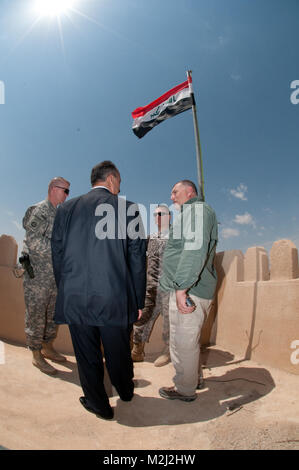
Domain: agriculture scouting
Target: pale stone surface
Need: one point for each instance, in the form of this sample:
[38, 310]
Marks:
[230, 265]
[276, 324]
[12, 306]
[256, 265]
[8, 251]
[244, 406]
[256, 317]
[252, 316]
[284, 260]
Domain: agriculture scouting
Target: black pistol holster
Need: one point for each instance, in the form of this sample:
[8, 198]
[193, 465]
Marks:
[24, 260]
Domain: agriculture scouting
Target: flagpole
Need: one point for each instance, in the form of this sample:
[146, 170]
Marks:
[197, 139]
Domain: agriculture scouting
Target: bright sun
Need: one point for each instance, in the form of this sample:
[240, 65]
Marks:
[53, 7]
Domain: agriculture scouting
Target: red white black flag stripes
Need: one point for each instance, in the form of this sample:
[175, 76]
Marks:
[173, 102]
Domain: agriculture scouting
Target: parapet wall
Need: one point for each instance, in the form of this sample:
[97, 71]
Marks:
[12, 306]
[255, 314]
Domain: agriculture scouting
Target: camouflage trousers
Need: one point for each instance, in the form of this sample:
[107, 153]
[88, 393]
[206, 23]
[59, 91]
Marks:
[40, 297]
[156, 302]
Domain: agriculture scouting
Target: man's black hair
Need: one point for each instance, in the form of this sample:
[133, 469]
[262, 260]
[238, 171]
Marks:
[102, 170]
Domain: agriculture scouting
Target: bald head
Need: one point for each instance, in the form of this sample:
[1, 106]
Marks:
[57, 181]
[58, 190]
[183, 191]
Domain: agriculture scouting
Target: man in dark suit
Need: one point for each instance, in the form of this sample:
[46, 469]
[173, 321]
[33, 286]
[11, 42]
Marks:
[98, 251]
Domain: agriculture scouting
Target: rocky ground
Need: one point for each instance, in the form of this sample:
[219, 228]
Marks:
[244, 405]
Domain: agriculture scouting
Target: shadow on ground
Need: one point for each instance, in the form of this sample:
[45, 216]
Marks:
[222, 394]
[225, 392]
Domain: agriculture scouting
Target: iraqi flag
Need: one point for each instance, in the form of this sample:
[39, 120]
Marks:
[173, 102]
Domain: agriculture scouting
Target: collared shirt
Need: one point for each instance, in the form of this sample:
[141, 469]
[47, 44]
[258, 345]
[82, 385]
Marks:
[188, 262]
[100, 186]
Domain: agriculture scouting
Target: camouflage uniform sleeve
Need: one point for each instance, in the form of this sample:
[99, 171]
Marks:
[38, 224]
[153, 271]
[26, 217]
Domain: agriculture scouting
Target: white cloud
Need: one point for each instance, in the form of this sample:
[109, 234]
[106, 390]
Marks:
[245, 219]
[240, 192]
[230, 232]
[11, 218]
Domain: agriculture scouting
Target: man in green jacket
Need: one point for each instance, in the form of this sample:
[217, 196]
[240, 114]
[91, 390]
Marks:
[190, 276]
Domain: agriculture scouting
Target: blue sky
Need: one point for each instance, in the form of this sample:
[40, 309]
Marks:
[72, 82]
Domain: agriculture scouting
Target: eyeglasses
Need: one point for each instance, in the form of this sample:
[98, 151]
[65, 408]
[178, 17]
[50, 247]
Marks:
[66, 190]
[160, 214]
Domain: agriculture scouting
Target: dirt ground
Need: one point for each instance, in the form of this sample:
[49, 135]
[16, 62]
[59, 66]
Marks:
[244, 405]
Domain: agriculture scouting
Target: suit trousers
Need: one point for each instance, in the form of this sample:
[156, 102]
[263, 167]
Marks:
[87, 342]
[185, 330]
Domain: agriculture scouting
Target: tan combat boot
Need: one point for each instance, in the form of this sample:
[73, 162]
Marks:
[49, 352]
[137, 352]
[39, 362]
[163, 359]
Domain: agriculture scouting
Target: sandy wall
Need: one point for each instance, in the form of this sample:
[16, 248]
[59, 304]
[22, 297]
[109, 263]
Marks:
[255, 314]
[12, 306]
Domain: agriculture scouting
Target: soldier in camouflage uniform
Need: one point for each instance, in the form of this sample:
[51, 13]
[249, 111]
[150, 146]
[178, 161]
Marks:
[156, 301]
[40, 291]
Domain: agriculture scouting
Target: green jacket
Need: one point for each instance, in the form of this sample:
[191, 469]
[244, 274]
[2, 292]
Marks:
[189, 254]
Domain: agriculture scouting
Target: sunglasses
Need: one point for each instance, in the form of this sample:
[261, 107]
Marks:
[66, 190]
[160, 214]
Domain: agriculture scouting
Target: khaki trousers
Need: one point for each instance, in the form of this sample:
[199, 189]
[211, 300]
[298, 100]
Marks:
[185, 330]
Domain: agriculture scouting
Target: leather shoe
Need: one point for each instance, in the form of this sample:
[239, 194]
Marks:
[100, 414]
[127, 397]
[172, 394]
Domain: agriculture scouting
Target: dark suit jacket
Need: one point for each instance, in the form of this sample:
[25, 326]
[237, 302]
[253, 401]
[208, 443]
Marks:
[100, 282]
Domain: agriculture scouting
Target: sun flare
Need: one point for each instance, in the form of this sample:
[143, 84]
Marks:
[53, 7]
